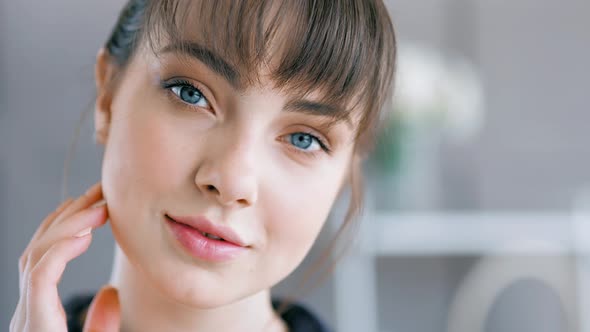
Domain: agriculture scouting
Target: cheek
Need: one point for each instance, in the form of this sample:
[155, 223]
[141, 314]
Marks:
[136, 150]
[135, 172]
[296, 216]
[145, 146]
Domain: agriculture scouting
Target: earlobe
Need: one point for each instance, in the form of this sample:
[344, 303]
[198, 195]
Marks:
[104, 71]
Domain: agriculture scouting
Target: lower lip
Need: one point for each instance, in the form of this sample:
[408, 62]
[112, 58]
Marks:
[202, 247]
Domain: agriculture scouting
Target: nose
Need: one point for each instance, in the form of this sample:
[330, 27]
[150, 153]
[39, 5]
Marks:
[227, 174]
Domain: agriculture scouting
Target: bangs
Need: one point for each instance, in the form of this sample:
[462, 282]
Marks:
[342, 51]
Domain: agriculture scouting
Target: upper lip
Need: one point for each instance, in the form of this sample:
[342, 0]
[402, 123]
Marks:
[203, 224]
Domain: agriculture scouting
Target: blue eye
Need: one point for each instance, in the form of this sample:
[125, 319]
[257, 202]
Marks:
[304, 140]
[190, 95]
[186, 92]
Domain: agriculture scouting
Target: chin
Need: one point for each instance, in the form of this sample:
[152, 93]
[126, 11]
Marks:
[187, 283]
[199, 289]
[179, 280]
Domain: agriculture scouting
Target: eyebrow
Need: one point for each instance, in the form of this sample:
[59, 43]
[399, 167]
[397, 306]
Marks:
[212, 60]
[222, 68]
[319, 109]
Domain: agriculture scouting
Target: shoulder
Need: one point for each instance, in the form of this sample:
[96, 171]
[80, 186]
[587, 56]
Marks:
[297, 317]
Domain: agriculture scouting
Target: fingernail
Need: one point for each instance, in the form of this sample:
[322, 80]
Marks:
[99, 204]
[84, 232]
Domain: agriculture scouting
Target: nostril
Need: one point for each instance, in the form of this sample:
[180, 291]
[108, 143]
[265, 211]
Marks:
[212, 188]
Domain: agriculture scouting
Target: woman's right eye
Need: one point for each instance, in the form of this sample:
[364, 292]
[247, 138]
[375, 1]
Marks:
[188, 94]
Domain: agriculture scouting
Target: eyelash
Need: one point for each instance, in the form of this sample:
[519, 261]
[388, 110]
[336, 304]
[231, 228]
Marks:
[184, 83]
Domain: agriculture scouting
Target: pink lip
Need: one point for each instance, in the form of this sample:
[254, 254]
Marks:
[199, 245]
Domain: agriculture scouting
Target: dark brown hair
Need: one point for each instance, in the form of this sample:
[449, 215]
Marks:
[343, 49]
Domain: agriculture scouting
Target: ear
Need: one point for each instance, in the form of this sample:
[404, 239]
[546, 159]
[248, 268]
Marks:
[104, 72]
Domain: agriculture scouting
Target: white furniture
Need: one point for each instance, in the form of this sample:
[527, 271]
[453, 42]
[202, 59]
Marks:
[490, 235]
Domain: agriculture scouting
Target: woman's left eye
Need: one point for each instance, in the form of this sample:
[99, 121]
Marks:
[188, 94]
[306, 142]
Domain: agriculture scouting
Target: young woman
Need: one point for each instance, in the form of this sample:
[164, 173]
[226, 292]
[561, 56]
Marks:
[230, 128]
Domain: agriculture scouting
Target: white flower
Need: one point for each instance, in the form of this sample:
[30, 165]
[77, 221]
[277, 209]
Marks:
[433, 88]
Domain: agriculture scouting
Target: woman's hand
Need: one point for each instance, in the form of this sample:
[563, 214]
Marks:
[62, 236]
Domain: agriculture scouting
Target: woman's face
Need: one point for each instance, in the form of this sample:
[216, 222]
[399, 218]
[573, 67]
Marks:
[248, 158]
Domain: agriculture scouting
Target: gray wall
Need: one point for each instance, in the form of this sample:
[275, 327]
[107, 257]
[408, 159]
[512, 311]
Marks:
[47, 52]
[530, 155]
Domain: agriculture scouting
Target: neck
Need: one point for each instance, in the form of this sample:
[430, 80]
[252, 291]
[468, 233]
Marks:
[145, 308]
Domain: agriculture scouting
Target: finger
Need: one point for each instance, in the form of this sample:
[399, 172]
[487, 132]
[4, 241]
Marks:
[45, 224]
[79, 222]
[17, 323]
[43, 304]
[40, 231]
[91, 217]
[104, 314]
[91, 196]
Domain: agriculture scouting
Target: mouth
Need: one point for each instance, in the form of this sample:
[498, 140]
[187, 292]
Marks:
[203, 242]
[211, 236]
[209, 230]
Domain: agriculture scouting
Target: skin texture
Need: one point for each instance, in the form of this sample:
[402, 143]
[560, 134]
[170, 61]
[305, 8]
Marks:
[229, 159]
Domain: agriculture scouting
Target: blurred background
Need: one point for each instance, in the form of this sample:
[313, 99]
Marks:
[477, 199]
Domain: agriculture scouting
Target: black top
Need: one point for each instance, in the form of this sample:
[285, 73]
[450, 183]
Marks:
[297, 317]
